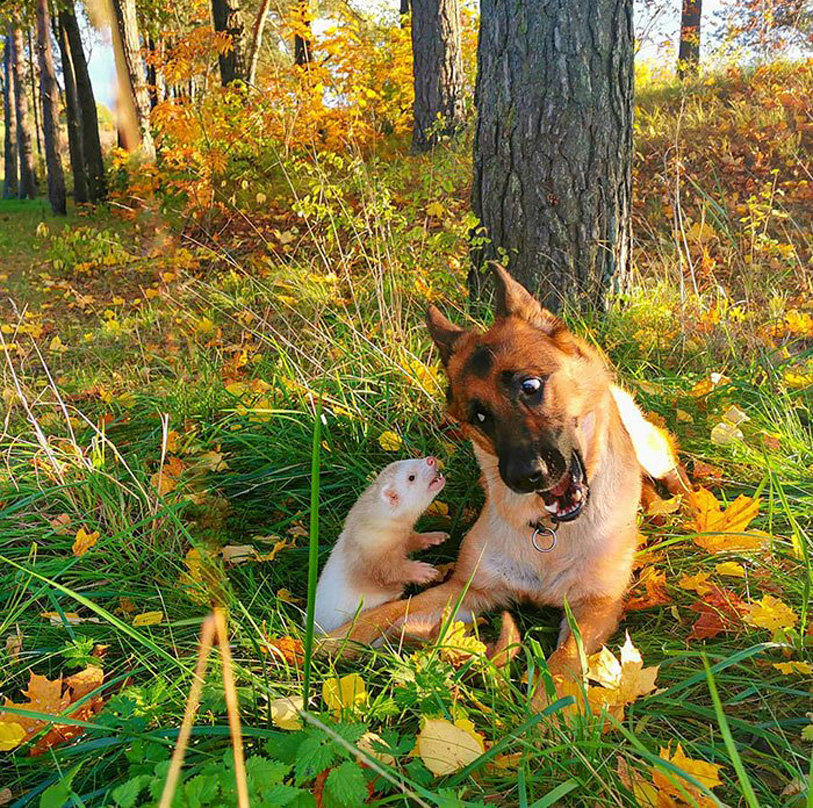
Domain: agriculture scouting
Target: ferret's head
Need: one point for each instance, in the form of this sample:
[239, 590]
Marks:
[407, 487]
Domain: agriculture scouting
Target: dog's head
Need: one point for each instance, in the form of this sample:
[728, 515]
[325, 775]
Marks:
[523, 392]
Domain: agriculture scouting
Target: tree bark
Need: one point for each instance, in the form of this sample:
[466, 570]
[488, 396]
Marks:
[10, 173]
[73, 114]
[35, 102]
[437, 69]
[28, 179]
[228, 19]
[89, 119]
[257, 40]
[49, 94]
[303, 55]
[553, 146]
[689, 52]
[135, 101]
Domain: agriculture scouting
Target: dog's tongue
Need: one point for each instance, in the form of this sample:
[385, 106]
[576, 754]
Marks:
[561, 487]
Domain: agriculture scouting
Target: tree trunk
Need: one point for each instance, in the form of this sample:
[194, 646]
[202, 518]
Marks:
[49, 94]
[689, 53]
[28, 179]
[134, 98]
[73, 114]
[437, 69]
[89, 120]
[10, 173]
[553, 146]
[35, 102]
[303, 55]
[228, 19]
[257, 40]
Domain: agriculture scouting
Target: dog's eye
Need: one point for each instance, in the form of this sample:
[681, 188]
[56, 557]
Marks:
[531, 386]
[480, 416]
[412, 478]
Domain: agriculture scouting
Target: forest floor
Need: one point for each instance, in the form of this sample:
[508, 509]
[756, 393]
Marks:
[159, 374]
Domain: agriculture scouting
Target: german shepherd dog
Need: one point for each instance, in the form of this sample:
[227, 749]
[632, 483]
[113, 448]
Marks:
[562, 451]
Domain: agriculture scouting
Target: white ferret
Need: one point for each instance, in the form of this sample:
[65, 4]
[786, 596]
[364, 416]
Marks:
[369, 564]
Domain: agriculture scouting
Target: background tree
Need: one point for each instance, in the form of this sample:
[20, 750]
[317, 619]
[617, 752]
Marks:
[303, 53]
[28, 179]
[228, 19]
[133, 97]
[437, 71]
[36, 102]
[49, 93]
[10, 170]
[73, 116]
[689, 51]
[553, 145]
[88, 115]
[257, 40]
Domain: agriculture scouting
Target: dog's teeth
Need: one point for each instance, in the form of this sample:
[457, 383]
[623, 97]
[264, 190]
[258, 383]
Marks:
[552, 508]
[577, 495]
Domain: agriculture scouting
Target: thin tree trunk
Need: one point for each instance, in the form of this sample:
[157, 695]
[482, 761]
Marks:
[28, 179]
[130, 67]
[437, 68]
[404, 7]
[35, 102]
[91, 144]
[689, 52]
[10, 173]
[228, 19]
[257, 40]
[74, 119]
[49, 93]
[553, 146]
[303, 54]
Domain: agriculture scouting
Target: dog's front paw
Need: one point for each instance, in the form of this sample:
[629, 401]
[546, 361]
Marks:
[421, 573]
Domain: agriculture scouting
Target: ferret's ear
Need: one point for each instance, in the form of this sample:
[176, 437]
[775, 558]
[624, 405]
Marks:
[390, 495]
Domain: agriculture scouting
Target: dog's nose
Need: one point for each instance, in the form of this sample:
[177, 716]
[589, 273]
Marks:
[525, 475]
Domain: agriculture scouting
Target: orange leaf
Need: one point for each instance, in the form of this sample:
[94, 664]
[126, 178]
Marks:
[655, 594]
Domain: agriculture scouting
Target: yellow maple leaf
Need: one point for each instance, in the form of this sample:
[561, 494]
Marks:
[457, 645]
[43, 696]
[795, 666]
[625, 675]
[84, 541]
[725, 530]
[286, 597]
[437, 508]
[730, 568]
[347, 693]
[390, 441]
[285, 712]
[707, 774]
[435, 209]
[661, 507]
[148, 619]
[771, 613]
[696, 583]
[445, 747]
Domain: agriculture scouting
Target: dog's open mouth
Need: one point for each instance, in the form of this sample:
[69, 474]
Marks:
[565, 500]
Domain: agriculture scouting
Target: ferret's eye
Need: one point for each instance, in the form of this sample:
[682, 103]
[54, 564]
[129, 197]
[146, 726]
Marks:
[412, 478]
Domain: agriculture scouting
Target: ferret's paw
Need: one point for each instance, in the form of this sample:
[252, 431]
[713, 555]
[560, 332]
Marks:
[433, 538]
[421, 573]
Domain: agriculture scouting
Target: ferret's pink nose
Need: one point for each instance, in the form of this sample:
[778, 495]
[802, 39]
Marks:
[430, 461]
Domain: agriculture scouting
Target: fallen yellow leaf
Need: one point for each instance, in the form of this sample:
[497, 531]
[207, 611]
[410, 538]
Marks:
[368, 742]
[11, 736]
[445, 747]
[770, 613]
[390, 441]
[84, 541]
[696, 583]
[347, 693]
[148, 619]
[730, 568]
[285, 712]
[725, 530]
[707, 774]
[661, 507]
[794, 667]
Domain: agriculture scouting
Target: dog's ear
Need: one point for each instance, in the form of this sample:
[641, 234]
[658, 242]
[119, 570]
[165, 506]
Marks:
[513, 298]
[444, 333]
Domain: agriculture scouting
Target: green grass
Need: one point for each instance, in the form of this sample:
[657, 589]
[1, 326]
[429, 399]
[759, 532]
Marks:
[86, 427]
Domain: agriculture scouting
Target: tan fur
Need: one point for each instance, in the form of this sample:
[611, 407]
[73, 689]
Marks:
[591, 565]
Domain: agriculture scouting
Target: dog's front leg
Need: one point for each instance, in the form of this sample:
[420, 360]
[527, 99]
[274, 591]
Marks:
[597, 618]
